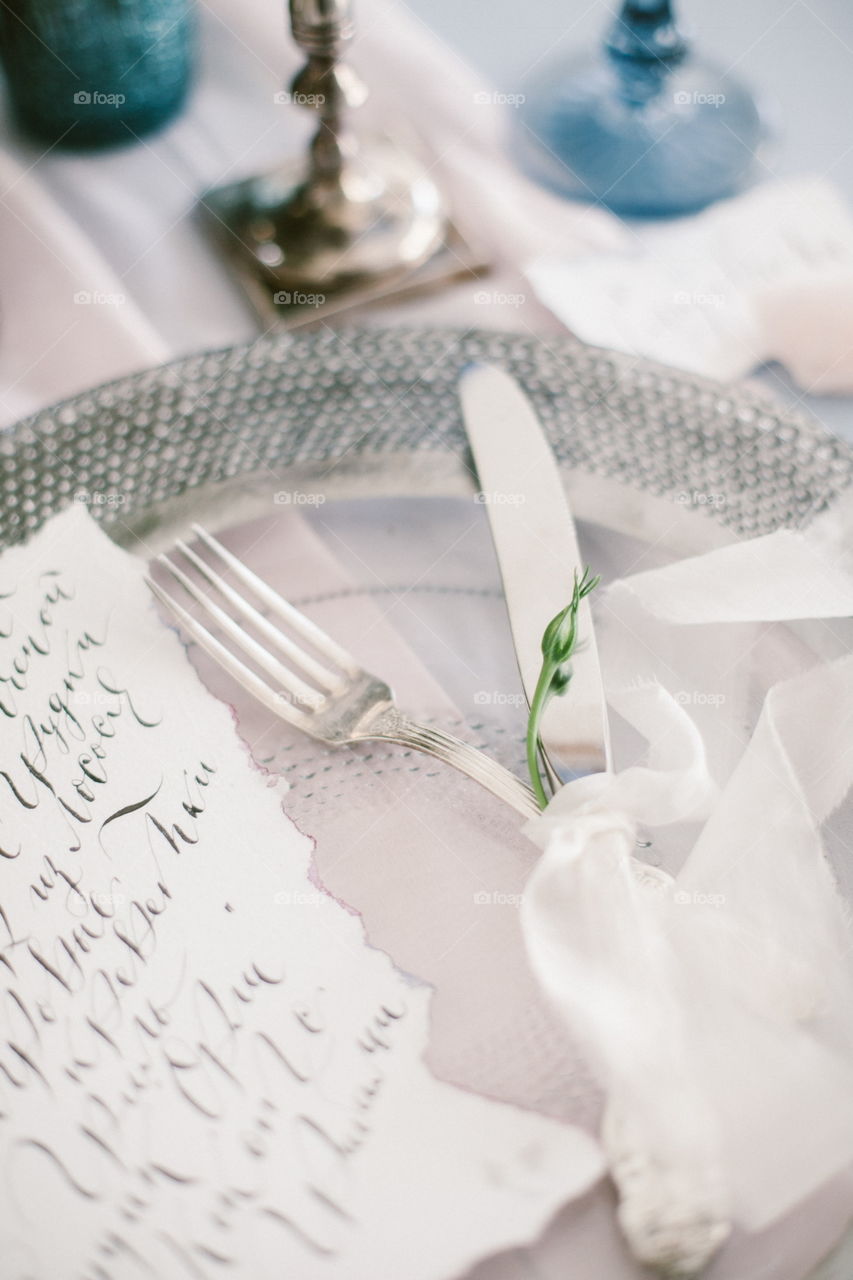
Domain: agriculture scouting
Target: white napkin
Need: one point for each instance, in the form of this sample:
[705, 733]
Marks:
[716, 1001]
[787, 574]
[765, 276]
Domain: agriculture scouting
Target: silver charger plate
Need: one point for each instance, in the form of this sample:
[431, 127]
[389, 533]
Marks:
[369, 413]
[372, 411]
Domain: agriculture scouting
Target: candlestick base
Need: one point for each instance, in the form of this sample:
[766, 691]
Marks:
[289, 301]
[381, 217]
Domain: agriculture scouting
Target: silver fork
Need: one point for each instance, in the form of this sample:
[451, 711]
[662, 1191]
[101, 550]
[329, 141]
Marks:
[325, 693]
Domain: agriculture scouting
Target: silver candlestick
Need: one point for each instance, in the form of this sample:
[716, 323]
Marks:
[360, 212]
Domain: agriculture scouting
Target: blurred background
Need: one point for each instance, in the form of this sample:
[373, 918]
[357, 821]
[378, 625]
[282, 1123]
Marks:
[159, 207]
[798, 55]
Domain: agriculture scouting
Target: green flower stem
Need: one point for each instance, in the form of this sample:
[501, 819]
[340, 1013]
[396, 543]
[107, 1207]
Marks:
[541, 697]
[559, 643]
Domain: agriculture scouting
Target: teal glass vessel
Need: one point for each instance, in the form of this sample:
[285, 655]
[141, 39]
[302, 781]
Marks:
[91, 73]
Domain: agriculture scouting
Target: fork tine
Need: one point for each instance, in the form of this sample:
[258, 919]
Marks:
[329, 680]
[309, 630]
[237, 669]
[287, 679]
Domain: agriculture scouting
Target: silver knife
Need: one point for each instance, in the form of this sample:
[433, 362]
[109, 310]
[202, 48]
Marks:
[537, 549]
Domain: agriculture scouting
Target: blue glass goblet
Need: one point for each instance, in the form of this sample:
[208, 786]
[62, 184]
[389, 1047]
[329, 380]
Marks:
[645, 127]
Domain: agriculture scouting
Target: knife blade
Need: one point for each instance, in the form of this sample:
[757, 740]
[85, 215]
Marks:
[537, 550]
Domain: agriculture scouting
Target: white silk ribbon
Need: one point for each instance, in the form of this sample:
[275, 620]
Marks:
[716, 1003]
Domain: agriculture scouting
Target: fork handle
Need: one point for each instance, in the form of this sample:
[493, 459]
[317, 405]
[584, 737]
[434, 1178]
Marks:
[392, 726]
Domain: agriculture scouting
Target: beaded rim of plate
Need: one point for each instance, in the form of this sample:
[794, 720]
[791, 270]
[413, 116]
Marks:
[332, 397]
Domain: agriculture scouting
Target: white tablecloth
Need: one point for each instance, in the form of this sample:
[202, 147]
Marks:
[104, 270]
